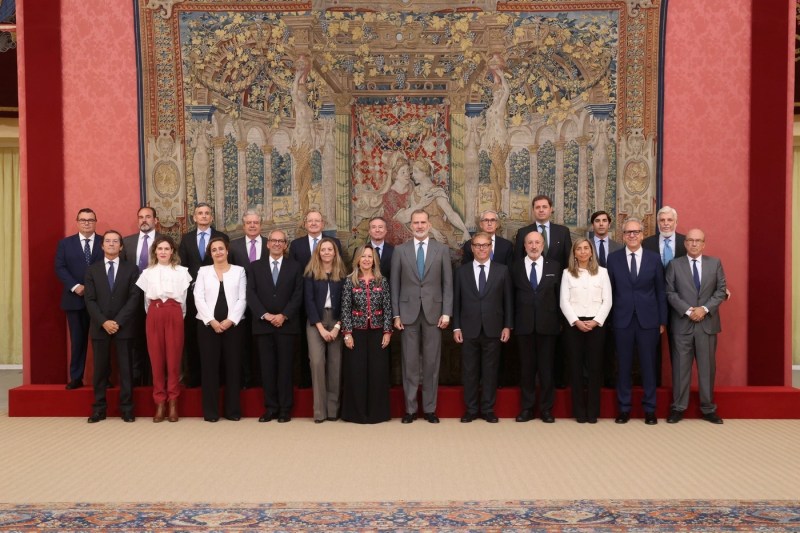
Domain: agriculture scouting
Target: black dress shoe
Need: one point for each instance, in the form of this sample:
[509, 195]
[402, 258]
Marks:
[592, 420]
[547, 417]
[432, 418]
[525, 416]
[74, 384]
[622, 418]
[211, 419]
[713, 418]
[408, 418]
[468, 417]
[266, 417]
[233, 418]
[581, 420]
[96, 417]
[491, 417]
[128, 417]
[282, 419]
[319, 421]
[674, 416]
[650, 418]
[332, 418]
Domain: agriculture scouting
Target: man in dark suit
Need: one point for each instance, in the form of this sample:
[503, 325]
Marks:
[377, 237]
[536, 325]
[74, 254]
[502, 250]
[193, 254]
[422, 303]
[136, 250]
[274, 296]
[483, 315]
[300, 250]
[246, 250]
[557, 240]
[603, 245]
[112, 298]
[695, 290]
[640, 316]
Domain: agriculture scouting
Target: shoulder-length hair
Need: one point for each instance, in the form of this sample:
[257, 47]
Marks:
[315, 268]
[174, 259]
[573, 263]
[376, 264]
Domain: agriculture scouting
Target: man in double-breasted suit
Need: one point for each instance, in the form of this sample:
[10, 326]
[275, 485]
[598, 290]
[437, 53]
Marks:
[422, 303]
[483, 315]
[193, 254]
[536, 325]
[695, 290]
[136, 250]
[243, 251]
[640, 316]
[112, 299]
[274, 296]
[73, 256]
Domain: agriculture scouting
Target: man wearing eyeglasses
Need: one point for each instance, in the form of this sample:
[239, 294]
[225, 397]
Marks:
[274, 296]
[483, 315]
[502, 250]
[73, 256]
[640, 316]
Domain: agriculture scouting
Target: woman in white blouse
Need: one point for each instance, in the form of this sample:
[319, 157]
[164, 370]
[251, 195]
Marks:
[220, 296]
[165, 284]
[585, 303]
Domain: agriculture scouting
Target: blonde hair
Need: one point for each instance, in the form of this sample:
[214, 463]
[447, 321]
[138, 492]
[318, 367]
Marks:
[573, 263]
[376, 264]
[315, 268]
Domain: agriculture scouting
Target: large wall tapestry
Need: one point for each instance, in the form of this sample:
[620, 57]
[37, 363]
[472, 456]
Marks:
[367, 108]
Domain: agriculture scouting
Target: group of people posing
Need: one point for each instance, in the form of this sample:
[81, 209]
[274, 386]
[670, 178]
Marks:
[262, 295]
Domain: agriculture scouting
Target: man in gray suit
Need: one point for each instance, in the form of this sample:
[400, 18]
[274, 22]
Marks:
[695, 289]
[422, 302]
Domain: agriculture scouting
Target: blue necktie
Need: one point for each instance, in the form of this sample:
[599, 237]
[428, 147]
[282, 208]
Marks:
[696, 275]
[314, 246]
[111, 275]
[201, 246]
[633, 267]
[602, 260]
[87, 252]
[481, 280]
[420, 261]
[275, 272]
[534, 281]
[668, 255]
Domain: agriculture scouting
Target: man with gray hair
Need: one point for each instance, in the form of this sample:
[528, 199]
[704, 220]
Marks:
[502, 249]
[667, 242]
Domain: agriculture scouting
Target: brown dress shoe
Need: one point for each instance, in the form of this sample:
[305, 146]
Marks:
[159, 416]
[173, 411]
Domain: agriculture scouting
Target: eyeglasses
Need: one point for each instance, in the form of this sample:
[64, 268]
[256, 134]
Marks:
[492, 220]
[87, 220]
[482, 245]
[632, 232]
[694, 241]
[277, 241]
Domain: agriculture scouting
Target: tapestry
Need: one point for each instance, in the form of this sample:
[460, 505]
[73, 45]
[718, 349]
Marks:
[376, 108]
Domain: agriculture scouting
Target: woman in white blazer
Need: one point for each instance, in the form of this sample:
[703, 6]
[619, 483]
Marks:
[220, 295]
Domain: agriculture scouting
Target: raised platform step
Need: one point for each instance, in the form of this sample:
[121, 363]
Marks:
[732, 402]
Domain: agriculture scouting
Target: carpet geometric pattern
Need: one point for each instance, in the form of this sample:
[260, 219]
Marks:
[541, 515]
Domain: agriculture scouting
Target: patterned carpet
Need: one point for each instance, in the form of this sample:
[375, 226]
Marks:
[550, 516]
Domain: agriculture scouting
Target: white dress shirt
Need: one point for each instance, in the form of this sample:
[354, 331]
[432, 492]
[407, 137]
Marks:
[206, 292]
[586, 295]
[165, 282]
[638, 254]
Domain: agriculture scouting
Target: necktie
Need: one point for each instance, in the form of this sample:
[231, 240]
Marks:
[534, 281]
[543, 231]
[314, 246]
[378, 251]
[602, 260]
[143, 254]
[275, 272]
[668, 255]
[633, 267]
[491, 254]
[696, 275]
[201, 246]
[482, 280]
[111, 275]
[87, 252]
[252, 255]
[420, 261]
